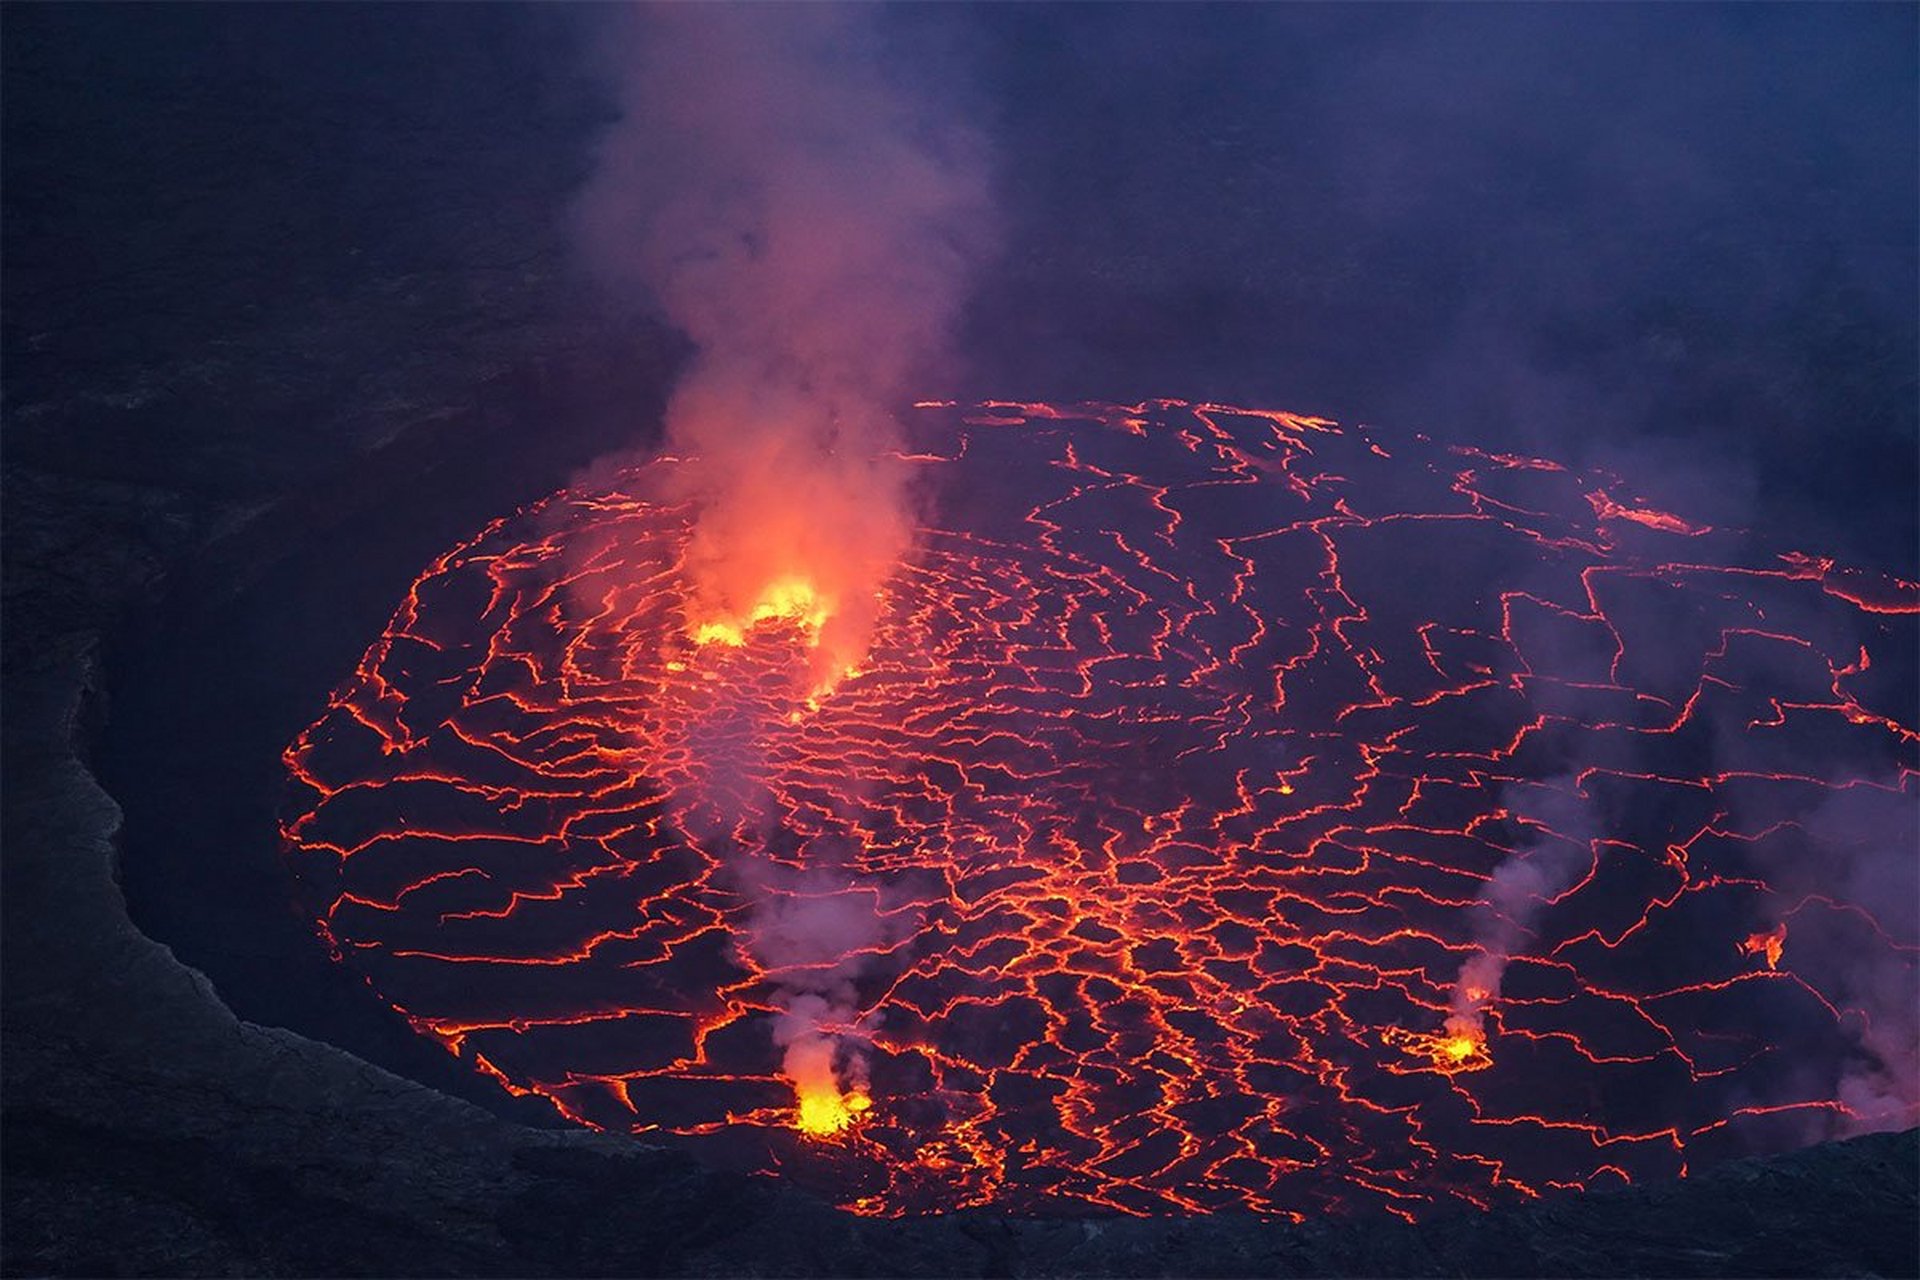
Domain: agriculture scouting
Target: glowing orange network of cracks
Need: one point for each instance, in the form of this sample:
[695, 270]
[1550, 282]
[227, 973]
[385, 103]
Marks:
[1162, 809]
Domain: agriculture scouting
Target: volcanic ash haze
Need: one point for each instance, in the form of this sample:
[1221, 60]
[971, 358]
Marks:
[1033, 933]
[811, 225]
[1560, 848]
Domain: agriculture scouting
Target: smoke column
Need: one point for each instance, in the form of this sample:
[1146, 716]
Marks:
[778, 194]
[813, 932]
[1553, 859]
[812, 226]
[1858, 848]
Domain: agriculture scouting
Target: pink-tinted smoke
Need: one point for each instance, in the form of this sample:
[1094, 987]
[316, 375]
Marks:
[1557, 850]
[807, 208]
[805, 204]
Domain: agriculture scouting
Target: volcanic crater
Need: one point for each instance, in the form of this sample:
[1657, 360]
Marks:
[1234, 810]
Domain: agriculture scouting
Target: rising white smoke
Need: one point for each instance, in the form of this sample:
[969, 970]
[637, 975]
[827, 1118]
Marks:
[1551, 858]
[805, 204]
[809, 211]
[814, 934]
[1858, 850]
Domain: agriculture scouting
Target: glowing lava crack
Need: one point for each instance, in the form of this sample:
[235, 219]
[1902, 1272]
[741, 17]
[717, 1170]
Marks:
[1229, 813]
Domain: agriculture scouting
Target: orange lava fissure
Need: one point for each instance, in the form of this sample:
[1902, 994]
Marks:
[1196, 752]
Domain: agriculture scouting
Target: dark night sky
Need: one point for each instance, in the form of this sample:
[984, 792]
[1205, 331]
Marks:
[1680, 239]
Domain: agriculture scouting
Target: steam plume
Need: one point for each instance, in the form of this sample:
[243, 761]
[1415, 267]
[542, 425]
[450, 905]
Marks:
[814, 933]
[777, 192]
[811, 225]
[1527, 881]
[1858, 850]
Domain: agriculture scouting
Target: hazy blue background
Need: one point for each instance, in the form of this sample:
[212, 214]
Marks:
[1659, 235]
[1680, 238]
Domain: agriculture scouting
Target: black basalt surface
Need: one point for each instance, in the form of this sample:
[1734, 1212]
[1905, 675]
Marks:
[248, 300]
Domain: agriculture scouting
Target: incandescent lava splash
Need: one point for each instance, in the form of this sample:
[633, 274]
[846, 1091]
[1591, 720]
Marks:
[1229, 812]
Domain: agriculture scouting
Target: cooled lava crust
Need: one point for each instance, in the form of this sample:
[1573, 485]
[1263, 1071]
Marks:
[1205, 763]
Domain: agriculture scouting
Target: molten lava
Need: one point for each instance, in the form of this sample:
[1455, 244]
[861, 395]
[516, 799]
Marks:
[1769, 943]
[1229, 811]
[1449, 1052]
[789, 599]
[824, 1111]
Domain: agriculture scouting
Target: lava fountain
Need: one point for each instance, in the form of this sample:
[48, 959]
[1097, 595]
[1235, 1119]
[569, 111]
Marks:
[1228, 811]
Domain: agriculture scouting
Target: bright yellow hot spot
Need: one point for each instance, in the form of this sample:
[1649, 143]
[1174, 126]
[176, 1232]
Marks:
[790, 598]
[1450, 1052]
[825, 1112]
[719, 633]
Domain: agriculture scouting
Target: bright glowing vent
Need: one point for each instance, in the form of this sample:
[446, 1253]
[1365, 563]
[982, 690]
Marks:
[1231, 810]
